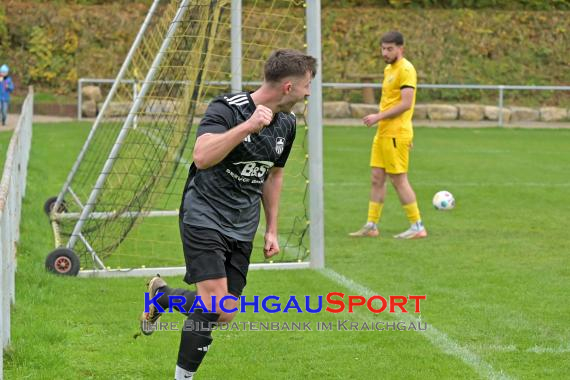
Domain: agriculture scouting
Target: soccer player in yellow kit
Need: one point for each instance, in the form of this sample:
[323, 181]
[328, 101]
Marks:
[393, 140]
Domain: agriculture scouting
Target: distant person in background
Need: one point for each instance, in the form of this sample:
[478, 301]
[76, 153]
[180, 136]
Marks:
[6, 88]
[393, 140]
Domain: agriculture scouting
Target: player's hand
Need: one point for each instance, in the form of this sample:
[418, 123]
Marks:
[371, 119]
[271, 246]
[260, 118]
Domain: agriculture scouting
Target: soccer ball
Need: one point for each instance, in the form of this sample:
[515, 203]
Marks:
[443, 200]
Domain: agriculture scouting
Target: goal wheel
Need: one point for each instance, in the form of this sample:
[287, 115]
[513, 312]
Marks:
[50, 203]
[63, 261]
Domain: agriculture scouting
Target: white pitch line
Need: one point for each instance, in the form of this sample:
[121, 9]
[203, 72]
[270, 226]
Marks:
[548, 350]
[435, 336]
[532, 350]
[459, 184]
[359, 149]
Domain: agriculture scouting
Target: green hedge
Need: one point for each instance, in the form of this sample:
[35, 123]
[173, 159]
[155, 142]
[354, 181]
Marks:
[454, 4]
[51, 45]
[427, 4]
[455, 46]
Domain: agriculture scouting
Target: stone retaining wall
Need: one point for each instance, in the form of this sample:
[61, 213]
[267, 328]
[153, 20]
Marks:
[345, 110]
[466, 112]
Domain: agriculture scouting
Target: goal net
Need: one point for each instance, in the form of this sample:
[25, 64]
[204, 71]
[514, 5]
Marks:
[119, 206]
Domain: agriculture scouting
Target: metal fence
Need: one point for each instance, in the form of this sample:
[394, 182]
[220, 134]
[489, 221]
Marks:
[500, 89]
[12, 190]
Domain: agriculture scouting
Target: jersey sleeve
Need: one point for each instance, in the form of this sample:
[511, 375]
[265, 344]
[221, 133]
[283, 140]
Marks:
[288, 145]
[218, 118]
[409, 77]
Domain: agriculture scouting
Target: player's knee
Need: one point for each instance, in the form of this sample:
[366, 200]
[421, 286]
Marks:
[209, 298]
[377, 182]
[399, 180]
[396, 183]
[229, 309]
[226, 307]
[377, 178]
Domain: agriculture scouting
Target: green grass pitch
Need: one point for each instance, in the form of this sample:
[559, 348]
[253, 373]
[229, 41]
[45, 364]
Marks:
[495, 272]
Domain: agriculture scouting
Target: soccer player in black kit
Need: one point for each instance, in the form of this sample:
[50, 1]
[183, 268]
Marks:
[242, 145]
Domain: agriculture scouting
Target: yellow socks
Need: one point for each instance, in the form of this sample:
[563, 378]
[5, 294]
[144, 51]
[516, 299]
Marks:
[412, 212]
[375, 212]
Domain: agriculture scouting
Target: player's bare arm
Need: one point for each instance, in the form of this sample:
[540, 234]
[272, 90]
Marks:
[407, 94]
[211, 148]
[270, 199]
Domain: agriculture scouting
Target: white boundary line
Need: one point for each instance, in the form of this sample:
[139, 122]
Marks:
[533, 350]
[436, 337]
[548, 350]
[458, 184]
[178, 271]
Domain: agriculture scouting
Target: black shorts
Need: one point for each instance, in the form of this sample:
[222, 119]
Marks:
[209, 254]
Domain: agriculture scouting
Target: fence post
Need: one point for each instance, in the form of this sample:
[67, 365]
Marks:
[501, 95]
[12, 188]
[79, 98]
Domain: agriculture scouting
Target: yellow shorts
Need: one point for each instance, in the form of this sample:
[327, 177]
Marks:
[391, 154]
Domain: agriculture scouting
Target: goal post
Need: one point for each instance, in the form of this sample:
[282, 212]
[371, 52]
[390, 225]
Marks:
[315, 122]
[118, 207]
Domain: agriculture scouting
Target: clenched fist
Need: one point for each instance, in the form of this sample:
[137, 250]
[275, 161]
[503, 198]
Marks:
[260, 118]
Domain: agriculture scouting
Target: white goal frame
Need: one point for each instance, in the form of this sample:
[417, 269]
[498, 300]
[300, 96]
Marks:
[315, 132]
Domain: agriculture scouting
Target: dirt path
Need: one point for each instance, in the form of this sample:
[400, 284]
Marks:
[13, 119]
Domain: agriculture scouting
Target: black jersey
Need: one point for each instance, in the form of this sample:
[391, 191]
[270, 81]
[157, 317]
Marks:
[226, 197]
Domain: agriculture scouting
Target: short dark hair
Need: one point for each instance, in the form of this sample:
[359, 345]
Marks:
[288, 62]
[393, 37]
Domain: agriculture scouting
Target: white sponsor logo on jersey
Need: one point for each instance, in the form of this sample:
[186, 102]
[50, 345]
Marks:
[253, 168]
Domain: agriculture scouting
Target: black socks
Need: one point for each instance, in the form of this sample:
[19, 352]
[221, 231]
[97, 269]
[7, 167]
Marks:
[196, 339]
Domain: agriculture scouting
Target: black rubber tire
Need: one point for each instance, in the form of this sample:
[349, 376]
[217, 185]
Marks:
[63, 261]
[48, 206]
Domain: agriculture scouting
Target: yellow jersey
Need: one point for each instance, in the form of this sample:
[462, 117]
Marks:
[397, 76]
